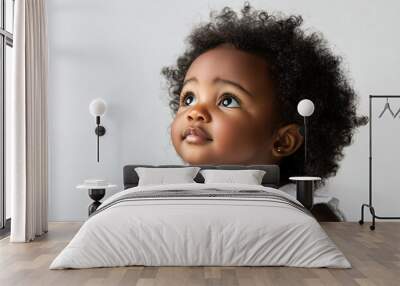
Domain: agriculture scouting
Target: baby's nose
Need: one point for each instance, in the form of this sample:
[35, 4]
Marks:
[199, 113]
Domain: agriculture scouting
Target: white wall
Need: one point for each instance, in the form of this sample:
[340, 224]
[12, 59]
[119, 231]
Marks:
[116, 49]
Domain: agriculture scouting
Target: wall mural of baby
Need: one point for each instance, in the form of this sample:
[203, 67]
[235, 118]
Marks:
[234, 95]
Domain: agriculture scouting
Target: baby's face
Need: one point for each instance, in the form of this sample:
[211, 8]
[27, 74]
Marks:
[226, 110]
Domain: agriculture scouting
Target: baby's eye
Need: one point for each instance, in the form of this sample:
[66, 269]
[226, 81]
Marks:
[230, 101]
[188, 99]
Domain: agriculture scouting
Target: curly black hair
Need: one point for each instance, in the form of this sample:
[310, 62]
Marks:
[301, 66]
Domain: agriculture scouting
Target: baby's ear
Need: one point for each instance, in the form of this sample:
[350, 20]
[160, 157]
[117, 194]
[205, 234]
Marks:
[288, 140]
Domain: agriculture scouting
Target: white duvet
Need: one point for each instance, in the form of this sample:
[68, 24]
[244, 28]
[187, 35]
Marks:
[200, 231]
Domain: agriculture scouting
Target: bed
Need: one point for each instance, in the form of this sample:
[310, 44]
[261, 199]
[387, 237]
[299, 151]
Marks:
[201, 224]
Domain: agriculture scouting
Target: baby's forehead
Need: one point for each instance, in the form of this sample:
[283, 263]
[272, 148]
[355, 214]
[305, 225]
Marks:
[230, 64]
[227, 60]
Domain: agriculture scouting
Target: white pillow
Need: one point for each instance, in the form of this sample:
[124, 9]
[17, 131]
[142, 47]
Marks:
[250, 177]
[161, 176]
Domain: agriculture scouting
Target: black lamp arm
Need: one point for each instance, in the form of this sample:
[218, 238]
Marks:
[100, 131]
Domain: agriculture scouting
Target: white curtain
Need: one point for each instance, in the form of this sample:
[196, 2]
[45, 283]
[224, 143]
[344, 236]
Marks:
[27, 121]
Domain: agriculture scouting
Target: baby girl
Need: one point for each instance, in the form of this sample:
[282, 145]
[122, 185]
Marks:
[234, 95]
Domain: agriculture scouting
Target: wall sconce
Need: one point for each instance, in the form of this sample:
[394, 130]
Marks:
[97, 108]
[305, 108]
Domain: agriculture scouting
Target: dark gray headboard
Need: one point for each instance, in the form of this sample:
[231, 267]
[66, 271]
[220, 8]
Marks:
[270, 179]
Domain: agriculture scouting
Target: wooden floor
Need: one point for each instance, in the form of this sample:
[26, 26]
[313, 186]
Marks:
[374, 255]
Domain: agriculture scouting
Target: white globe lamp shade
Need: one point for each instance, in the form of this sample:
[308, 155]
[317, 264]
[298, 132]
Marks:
[97, 107]
[305, 107]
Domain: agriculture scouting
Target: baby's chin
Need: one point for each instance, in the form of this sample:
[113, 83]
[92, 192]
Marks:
[206, 154]
[203, 158]
[199, 159]
[194, 154]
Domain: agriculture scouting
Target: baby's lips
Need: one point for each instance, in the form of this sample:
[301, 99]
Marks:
[197, 131]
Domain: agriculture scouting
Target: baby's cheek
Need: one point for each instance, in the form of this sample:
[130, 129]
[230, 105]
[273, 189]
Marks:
[233, 136]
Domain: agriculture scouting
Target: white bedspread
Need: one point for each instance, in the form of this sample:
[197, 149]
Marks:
[200, 231]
